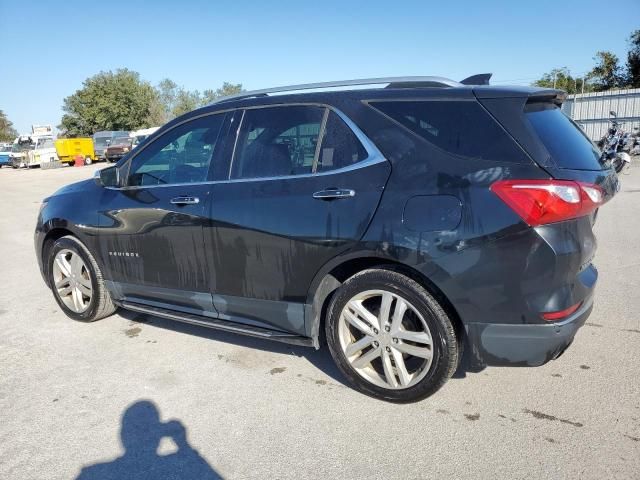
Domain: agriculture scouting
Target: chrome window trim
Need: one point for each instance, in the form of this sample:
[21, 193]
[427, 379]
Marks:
[374, 156]
[235, 144]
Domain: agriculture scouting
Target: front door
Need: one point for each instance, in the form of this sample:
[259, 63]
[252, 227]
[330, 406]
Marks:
[152, 230]
[302, 189]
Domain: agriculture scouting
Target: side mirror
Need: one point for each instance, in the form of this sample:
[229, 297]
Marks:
[108, 177]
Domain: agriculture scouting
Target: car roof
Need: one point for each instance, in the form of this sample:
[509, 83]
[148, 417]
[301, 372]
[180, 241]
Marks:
[333, 97]
[336, 93]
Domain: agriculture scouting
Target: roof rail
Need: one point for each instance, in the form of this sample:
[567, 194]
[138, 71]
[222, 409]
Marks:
[391, 82]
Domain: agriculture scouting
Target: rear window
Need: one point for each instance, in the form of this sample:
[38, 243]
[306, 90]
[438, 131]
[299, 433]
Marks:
[567, 144]
[460, 127]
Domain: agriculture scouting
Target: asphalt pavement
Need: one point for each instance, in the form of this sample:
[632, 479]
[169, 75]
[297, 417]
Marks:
[132, 395]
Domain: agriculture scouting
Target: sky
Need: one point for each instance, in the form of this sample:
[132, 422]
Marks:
[50, 47]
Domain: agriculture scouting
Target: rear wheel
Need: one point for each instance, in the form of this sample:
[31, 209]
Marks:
[390, 337]
[87, 160]
[76, 281]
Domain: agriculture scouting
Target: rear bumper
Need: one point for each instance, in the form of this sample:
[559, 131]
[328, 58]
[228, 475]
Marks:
[526, 345]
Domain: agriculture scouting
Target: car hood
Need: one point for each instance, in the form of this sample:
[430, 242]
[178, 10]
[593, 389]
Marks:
[80, 186]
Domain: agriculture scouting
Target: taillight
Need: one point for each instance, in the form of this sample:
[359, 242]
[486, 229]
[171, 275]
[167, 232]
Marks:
[560, 314]
[539, 202]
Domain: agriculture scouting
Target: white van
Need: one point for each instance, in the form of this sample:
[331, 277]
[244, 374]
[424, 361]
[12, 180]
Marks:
[33, 150]
[138, 136]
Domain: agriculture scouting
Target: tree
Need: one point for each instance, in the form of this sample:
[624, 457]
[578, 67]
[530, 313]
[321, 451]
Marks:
[7, 132]
[185, 102]
[108, 101]
[606, 74]
[561, 79]
[157, 112]
[172, 100]
[633, 60]
[226, 90]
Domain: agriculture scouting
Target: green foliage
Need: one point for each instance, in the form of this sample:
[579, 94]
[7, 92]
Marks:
[7, 132]
[176, 101]
[607, 73]
[561, 79]
[122, 101]
[633, 60]
[108, 101]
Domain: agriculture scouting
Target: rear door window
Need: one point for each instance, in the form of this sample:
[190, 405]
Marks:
[277, 141]
[567, 144]
[459, 127]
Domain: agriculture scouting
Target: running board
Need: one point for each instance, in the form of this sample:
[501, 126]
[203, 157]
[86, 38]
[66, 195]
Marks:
[225, 325]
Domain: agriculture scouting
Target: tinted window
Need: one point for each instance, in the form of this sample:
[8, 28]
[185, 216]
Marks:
[277, 141]
[182, 155]
[340, 146]
[459, 127]
[567, 144]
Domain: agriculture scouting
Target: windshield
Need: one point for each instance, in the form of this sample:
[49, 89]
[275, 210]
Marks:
[101, 141]
[45, 143]
[17, 148]
[120, 141]
[567, 144]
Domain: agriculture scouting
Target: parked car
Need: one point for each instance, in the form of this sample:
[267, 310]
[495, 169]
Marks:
[5, 154]
[406, 225]
[118, 148]
[70, 148]
[101, 140]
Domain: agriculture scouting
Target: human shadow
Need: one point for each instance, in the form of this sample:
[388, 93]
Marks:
[141, 432]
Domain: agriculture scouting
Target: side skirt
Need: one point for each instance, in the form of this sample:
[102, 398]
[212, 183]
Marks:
[216, 324]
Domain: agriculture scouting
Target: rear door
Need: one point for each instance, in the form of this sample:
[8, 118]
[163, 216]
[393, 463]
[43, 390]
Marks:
[302, 188]
[152, 239]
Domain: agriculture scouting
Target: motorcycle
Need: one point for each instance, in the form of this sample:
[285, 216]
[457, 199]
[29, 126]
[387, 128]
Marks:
[613, 145]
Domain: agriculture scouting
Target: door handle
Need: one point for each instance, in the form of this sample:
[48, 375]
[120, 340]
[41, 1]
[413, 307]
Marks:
[185, 200]
[334, 194]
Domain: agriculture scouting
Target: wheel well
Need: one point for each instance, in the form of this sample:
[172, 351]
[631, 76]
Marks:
[349, 268]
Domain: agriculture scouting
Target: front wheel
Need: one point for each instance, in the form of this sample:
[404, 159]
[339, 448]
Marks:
[87, 161]
[76, 281]
[390, 337]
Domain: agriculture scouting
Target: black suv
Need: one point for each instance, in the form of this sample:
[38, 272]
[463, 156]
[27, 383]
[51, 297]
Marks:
[400, 225]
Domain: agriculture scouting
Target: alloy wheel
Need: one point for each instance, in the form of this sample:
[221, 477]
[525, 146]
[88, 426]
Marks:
[72, 281]
[385, 339]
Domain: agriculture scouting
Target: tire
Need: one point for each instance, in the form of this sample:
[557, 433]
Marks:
[87, 161]
[94, 307]
[423, 314]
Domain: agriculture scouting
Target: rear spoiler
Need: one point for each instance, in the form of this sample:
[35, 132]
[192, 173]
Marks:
[545, 96]
[527, 94]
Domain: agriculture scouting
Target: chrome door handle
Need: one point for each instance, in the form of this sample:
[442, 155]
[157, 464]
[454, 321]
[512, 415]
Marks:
[334, 194]
[185, 200]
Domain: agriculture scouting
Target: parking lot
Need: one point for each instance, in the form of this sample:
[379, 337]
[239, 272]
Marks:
[254, 409]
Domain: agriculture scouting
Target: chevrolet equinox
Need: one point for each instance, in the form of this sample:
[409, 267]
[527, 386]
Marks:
[399, 224]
